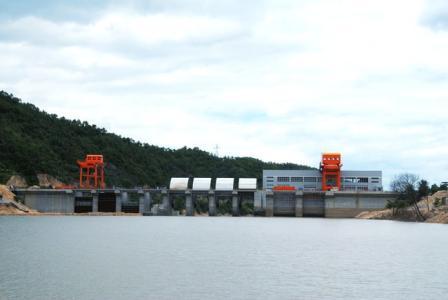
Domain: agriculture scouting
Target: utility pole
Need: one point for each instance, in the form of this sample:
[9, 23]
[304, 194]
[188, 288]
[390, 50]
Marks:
[216, 150]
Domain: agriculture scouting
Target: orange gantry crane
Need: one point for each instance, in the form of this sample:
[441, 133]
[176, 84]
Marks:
[91, 172]
[330, 168]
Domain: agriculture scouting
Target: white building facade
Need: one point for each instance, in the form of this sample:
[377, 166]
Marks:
[311, 180]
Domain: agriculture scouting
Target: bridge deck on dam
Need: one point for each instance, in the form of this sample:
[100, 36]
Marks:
[161, 201]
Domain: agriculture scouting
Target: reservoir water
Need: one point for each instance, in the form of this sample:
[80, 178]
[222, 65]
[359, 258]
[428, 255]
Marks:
[74, 257]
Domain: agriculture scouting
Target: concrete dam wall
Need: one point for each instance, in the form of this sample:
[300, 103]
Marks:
[160, 202]
[324, 204]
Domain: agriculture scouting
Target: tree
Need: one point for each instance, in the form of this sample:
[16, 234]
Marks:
[423, 188]
[402, 182]
[434, 189]
[406, 186]
[396, 205]
[423, 191]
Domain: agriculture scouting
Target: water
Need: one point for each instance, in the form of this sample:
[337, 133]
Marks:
[220, 258]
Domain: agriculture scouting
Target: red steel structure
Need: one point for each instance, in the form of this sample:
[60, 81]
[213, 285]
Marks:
[330, 168]
[91, 172]
[283, 188]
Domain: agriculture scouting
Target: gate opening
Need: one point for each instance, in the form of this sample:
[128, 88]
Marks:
[106, 202]
[83, 204]
[284, 204]
[314, 205]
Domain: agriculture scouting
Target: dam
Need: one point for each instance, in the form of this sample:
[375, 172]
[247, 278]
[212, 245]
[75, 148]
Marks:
[153, 202]
[325, 192]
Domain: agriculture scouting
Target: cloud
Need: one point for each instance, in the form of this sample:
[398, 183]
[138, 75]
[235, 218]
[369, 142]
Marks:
[117, 28]
[281, 81]
[435, 15]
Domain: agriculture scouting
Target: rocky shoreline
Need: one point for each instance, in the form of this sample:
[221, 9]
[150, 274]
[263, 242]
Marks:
[434, 209]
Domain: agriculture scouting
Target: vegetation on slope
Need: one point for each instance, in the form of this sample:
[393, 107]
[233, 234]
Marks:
[33, 141]
[415, 201]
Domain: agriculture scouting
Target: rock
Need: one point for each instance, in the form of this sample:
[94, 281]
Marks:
[17, 181]
[48, 181]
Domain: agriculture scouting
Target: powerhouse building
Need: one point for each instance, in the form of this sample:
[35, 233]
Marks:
[311, 180]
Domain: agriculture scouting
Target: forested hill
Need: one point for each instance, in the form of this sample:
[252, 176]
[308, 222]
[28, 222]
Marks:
[33, 141]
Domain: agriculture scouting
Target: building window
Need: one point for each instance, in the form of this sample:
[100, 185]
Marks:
[282, 179]
[310, 186]
[296, 179]
[310, 179]
[350, 179]
[363, 179]
[374, 180]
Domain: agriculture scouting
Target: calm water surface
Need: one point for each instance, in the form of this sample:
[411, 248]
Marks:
[220, 258]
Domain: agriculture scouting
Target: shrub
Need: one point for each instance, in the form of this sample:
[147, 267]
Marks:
[224, 207]
[179, 203]
[247, 208]
[201, 204]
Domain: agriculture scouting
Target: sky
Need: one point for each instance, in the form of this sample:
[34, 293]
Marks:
[281, 81]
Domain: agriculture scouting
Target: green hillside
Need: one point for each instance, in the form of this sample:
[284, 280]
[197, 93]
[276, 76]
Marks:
[33, 141]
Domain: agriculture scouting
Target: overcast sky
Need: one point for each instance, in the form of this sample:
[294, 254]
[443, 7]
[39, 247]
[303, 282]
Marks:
[282, 81]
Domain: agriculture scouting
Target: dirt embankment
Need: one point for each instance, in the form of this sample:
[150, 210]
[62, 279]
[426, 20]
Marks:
[434, 208]
[8, 206]
[10, 210]
[5, 193]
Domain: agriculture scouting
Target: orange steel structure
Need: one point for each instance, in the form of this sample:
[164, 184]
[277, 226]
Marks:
[330, 168]
[91, 172]
[283, 188]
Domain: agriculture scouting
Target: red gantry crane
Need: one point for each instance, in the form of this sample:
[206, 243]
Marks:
[330, 168]
[91, 172]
